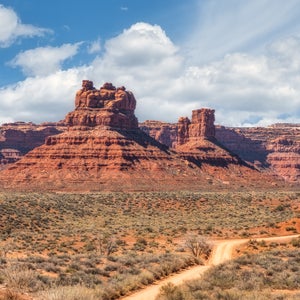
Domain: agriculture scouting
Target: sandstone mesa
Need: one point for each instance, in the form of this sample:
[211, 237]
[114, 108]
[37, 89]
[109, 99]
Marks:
[100, 146]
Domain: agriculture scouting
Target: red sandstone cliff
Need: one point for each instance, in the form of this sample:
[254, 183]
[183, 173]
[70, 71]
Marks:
[196, 143]
[165, 133]
[284, 157]
[16, 139]
[275, 149]
[108, 106]
[255, 145]
[259, 145]
[103, 149]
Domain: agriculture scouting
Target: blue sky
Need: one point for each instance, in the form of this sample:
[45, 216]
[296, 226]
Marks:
[241, 58]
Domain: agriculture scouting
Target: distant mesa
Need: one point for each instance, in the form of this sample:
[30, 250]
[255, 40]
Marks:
[100, 147]
[8, 156]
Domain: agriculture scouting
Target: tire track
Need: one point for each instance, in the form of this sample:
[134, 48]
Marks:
[222, 252]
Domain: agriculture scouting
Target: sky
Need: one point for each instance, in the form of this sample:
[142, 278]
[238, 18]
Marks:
[241, 58]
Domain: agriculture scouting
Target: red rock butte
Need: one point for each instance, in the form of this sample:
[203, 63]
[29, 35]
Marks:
[103, 149]
[108, 106]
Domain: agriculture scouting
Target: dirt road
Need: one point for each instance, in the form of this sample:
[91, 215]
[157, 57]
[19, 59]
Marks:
[222, 251]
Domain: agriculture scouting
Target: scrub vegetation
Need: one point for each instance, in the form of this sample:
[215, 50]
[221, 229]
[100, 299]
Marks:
[105, 245]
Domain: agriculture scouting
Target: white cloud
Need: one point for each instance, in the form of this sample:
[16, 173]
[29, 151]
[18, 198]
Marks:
[247, 89]
[40, 99]
[12, 28]
[239, 26]
[95, 46]
[142, 56]
[244, 89]
[141, 44]
[44, 60]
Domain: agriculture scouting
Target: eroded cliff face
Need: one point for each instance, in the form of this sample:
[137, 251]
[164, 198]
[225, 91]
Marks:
[203, 124]
[196, 142]
[16, 139]
[108, 106]
[102, 148]
[284, 157]
[275, 148]
[183, 134]
[165, 133]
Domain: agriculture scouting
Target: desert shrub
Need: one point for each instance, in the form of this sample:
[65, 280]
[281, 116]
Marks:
[198, 246]
[291, 228]
[83, 278]
[140, 244]
[296, 242]
[249, 277]
[168, 264]
[21, 278]
[146, 277]
[69, 293]
[110, 292]
[9, 294]
[170, 292]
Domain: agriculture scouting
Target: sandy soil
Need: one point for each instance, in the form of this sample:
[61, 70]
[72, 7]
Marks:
[222, 251]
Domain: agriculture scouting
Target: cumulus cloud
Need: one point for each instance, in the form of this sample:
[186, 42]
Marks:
[44, 60]
[142, 56]
[12, 28]
[145, 60]
[245, 89]
[40, 99]
[141, 45]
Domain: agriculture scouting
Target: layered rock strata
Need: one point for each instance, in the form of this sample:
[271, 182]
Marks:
[108, 106]
[196, 142]
[26, 136]
[284, 158]
[103, 149]
[165, 133]
[275, 149]
[200, 127]
[16, 139]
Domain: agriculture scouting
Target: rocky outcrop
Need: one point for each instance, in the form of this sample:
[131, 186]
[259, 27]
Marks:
[24, 137]
[274, 149]
[196, 141]
[284, 158]
[201, 127]
[183, 130]
[108, 106]
[10, 155]
[102, 148]
[165, 133]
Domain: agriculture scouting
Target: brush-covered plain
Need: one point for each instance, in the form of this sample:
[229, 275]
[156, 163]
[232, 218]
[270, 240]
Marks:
[106, 245]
